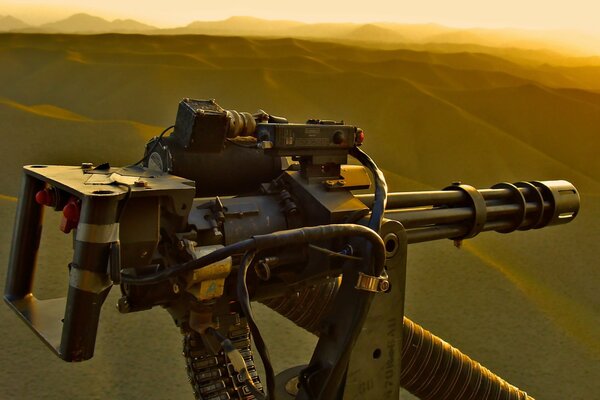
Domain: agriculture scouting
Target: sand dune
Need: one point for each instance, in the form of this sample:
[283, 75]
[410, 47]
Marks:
[529, 114]
[51, 135]
[46, 110]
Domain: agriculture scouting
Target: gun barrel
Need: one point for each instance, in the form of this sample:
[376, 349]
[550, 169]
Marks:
[461, 211]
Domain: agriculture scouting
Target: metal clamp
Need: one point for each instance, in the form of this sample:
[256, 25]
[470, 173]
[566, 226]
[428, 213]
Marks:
[375, 284]
[479, 209]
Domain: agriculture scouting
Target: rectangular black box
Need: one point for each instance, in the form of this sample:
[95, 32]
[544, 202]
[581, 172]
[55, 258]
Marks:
[201, 126]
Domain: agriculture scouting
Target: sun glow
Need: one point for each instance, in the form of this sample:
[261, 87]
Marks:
[578, 15]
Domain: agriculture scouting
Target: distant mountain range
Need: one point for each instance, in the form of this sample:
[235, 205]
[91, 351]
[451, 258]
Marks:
[84, 23]
[8, 23]
[78, 23]
[384, 34]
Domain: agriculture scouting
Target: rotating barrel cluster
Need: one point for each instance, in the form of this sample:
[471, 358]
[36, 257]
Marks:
[461, 211]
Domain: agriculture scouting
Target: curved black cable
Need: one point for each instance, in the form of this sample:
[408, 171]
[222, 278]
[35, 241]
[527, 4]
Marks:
[272, 240]
[246, 144]
[332, 253]
[380, 199]
[217, 255]
[167, 129]
[244, 300]
[354, 308]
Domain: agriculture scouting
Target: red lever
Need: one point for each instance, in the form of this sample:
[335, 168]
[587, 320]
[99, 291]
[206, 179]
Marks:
[46, 197]
[71, 213]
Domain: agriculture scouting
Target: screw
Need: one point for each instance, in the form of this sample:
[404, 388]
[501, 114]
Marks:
[384, 285]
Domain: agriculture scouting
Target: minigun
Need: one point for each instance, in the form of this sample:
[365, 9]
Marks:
[234, 207]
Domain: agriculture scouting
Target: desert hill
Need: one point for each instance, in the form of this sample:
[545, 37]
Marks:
[85, 23]
[379, 34]
[70, 136]
[524, 304]
[237, 26]
[375, 33]
[9, 23]
[521, 38]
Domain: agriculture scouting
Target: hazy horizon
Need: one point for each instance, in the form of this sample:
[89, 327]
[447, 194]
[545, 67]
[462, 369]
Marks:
[537, 15]
[565, 42]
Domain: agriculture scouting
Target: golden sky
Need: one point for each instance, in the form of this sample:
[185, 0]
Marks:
[583, 15]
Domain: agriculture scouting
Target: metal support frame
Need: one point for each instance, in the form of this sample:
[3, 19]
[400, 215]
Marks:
[374, 369]
[68, 325]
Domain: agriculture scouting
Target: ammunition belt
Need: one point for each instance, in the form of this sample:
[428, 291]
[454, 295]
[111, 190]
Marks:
[212, 376]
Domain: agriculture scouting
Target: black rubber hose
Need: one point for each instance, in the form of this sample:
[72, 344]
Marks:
[324, 232]
[381, 189]
[271, 240]
[217, 255]
[433, 369]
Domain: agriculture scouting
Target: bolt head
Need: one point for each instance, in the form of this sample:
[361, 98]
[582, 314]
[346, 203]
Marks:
[384, 285]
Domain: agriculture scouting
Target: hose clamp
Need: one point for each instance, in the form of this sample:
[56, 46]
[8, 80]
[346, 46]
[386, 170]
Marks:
[374, 284]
